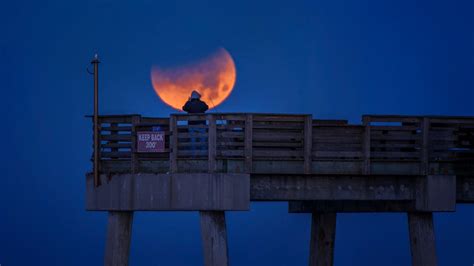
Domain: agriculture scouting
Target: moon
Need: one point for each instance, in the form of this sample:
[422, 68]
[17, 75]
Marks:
[213, 77]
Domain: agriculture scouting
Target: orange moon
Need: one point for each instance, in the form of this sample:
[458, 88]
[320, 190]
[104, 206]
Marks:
[213, 77]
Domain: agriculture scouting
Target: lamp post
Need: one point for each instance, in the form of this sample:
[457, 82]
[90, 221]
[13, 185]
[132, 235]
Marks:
[95, 62]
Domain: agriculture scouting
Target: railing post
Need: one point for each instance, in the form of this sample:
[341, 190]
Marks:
[173, 144]
[212, 138]
[425, 127]
[134, 159]
[308, 143]
[248, 143]
[366, 145]
[96, 62]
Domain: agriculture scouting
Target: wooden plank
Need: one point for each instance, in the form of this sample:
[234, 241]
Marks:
[231, 153]
[277, 153]
[173, 145]
[192, 153]
[117, 145]
[278, 136]
[116, 154]
[337, 140]
[212, 137]
[394, 145]
[318, 154]
[393, 134]
[190, 117]
[115, 119]
[394, 128]
[183, 145]
[337, 146]
[448, 120]
[116, 128]
[248, 143]
[277, 126]
[395, 154]
[117, 137]
[279, 118]
[155, 120]
[392, 118]
[329, 122]
[187, 135]
[262, 145]
[233, 135]
[422, 239]
[230, 117]
[323, 237]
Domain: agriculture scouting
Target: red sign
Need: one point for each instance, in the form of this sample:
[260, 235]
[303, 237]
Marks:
[150, 141]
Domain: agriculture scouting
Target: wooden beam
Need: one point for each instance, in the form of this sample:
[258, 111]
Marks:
[308, 142]
[422, 239]
[323, 236]
[119, 232]
[173, 145]
[366, 145]
[425, 128]
[134, 161]
[248, 143]
[212, 143]
[214, 238]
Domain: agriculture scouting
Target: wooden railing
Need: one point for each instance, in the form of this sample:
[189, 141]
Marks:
[278, 142]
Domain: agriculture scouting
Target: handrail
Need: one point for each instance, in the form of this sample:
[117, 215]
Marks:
[422, 140]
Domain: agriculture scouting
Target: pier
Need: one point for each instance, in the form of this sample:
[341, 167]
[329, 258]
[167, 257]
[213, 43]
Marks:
[218, 162]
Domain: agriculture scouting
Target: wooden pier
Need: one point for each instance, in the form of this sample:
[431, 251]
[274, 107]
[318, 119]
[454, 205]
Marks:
[220, 162]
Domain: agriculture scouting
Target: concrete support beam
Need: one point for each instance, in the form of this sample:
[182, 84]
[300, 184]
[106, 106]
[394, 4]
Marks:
[119, 232]
[170, 192]
[436, 193]
[323, 236]
[351, 206]
[422, 239]
[284, 187]
[214, 238]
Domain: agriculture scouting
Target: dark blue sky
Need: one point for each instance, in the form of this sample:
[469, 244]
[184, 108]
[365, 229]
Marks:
[333, 59]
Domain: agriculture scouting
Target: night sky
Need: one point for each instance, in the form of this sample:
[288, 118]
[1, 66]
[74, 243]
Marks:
[331, 59]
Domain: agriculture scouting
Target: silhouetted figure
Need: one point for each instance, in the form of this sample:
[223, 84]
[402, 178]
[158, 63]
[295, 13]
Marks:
[196, 128]
[194, 105]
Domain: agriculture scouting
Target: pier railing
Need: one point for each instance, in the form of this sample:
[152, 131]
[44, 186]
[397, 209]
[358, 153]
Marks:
[264, 143]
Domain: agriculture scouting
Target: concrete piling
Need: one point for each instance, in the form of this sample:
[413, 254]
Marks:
[422, 239]
[323, 235]
[214, 238]
[119, 232]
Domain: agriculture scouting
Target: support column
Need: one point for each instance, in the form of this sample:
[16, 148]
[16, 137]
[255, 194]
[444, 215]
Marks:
[119, 232]
[422, 239]
[214, 238]
[323, 236]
